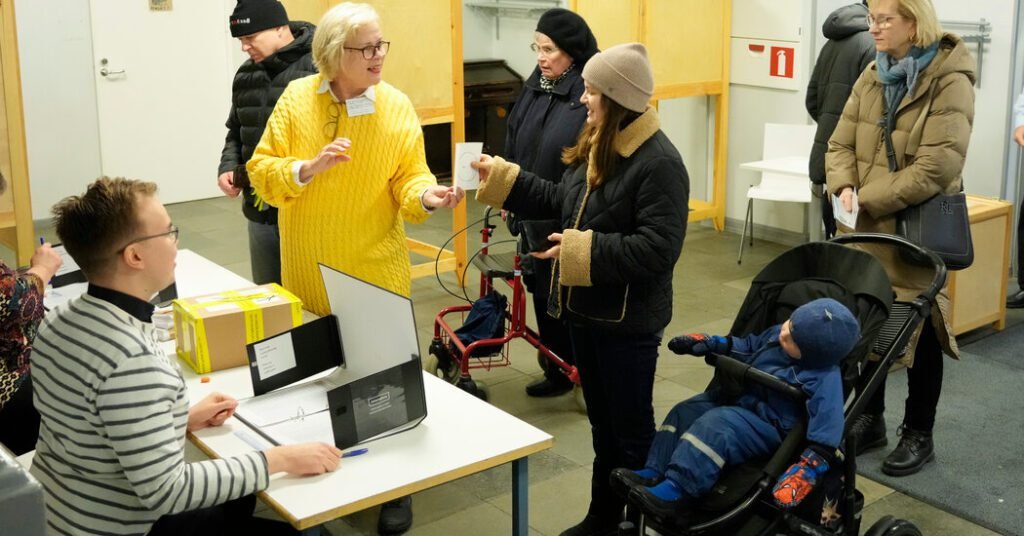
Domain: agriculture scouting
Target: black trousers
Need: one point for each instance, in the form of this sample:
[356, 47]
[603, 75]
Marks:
[924, 384]
[553, 332]
[232, 517]
[19, 420]
[617, 374]
[827, 216]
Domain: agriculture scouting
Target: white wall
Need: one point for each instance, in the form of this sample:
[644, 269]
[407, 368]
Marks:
[61, 125]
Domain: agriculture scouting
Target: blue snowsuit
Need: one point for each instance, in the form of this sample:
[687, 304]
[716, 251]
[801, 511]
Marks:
[700, 437]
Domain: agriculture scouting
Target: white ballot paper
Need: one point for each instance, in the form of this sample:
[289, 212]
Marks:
[68, 264]
[466, 177]
[847, 218]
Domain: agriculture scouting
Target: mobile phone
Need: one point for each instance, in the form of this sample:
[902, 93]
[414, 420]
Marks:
[535, 234]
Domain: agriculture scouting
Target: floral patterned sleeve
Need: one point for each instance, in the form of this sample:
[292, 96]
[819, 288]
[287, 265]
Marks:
[21, 309]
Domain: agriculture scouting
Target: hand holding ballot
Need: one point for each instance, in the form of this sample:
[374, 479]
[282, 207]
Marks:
[845, 207]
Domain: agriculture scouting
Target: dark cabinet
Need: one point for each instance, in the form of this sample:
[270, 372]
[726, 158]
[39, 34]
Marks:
[491, 87]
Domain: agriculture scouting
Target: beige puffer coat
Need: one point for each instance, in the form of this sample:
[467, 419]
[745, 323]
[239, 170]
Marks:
[930, 151]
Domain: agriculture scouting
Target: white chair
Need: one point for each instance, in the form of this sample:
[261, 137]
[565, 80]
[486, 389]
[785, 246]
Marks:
[784, 175]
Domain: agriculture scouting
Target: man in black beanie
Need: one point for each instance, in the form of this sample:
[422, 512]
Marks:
[279, 52]
[547, 117]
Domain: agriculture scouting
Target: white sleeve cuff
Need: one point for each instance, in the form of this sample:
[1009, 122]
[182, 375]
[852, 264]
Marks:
[296, 167]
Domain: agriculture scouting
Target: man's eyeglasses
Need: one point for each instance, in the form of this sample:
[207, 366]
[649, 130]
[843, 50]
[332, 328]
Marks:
[884, 22]
[369, 51]
[173, 233]
[545, 50]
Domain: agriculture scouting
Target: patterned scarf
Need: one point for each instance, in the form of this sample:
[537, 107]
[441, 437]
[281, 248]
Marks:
[899, 77]
[547, 85]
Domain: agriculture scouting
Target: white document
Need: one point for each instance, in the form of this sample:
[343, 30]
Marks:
[68, 264]
[295, 403]
[466, 177]
[54, 297]
[275, 355]
[847, 218]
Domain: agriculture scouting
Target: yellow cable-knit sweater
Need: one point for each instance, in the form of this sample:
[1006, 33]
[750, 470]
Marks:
[349, 217]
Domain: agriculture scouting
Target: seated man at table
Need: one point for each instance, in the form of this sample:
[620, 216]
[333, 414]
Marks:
[114, 408]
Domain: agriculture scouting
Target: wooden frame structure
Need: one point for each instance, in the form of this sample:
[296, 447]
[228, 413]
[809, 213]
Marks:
[16, 227]
[688, 43]
[424, 33]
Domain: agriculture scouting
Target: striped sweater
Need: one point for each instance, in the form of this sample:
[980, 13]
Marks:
[350, 216]
[114, 411]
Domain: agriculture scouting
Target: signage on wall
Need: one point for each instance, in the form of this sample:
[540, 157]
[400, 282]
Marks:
[781, 62]
[161, 5]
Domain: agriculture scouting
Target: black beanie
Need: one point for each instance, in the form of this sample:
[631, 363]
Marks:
[570, 32]
[251, 16]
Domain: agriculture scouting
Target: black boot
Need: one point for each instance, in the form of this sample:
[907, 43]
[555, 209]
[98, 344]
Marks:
[869, 429]
[395, 516]
[622, 480]
[913, 451]
[546, 387]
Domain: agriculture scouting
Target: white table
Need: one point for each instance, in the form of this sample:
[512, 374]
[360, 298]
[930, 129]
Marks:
[461, 435]
[795, 166]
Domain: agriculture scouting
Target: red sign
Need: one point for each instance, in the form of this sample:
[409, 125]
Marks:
[782, 62]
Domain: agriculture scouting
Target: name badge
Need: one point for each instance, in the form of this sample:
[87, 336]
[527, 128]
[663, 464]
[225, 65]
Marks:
[359, 106]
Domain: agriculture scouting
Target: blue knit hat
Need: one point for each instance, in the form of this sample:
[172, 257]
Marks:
[825, 331]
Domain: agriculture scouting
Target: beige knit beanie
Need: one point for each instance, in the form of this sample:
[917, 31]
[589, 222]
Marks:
[623, 74]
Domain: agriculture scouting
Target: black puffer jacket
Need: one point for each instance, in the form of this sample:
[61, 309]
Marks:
[849, 50]
[622, 238]
[542, 124]
[254, 93]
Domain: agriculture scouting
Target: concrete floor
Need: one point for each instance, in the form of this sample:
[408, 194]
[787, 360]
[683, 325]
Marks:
[709, 287]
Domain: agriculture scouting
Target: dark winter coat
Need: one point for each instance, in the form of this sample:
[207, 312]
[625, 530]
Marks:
[622, 238]
[850, 48]
[254, 93]
[542, 124]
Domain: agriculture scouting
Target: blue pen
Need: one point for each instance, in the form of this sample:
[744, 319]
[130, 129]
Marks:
[42, 241]
[356, 452]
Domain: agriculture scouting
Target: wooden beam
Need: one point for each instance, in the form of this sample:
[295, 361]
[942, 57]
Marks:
[18, 182]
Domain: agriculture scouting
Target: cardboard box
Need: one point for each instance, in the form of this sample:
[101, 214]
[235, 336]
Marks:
[212, 331]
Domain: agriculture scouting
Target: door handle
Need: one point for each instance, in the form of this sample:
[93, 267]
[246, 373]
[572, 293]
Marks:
[107, 72]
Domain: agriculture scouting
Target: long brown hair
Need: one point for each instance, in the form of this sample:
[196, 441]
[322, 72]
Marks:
[601, 141]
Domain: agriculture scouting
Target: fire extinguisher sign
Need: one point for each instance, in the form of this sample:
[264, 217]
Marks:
[782, 62]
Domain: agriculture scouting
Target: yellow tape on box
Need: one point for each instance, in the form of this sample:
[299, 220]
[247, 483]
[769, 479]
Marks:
[212, 331]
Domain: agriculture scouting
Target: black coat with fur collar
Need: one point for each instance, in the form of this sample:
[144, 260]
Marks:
[622, 238]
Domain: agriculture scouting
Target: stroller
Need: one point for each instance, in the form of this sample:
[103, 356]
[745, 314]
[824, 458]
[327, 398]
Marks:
[741, 503]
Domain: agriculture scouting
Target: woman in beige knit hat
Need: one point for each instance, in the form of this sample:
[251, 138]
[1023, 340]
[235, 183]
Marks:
[623, 207]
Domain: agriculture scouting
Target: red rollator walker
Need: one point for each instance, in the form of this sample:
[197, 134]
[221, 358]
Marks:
[451, 359]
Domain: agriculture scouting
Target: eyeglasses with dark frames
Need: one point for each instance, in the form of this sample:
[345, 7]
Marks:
[173, 233]
[369, 51]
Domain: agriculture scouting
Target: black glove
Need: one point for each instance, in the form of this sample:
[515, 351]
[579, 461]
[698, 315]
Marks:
[700, 344]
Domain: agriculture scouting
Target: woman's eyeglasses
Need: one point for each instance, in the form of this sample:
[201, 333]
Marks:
[173, 233]
[884, 22]
[545, 50]
[369, 51]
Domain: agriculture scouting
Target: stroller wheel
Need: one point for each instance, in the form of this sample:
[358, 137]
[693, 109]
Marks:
[889, 526]
[477, 389]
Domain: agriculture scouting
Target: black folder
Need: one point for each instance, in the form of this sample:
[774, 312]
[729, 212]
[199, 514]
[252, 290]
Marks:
[379, 405]
[316, 346]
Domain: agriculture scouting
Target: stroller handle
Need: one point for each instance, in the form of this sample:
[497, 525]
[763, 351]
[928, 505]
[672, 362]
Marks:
[738, 369]
[939, 267]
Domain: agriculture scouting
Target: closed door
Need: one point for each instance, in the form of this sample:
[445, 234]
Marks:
[163, 86]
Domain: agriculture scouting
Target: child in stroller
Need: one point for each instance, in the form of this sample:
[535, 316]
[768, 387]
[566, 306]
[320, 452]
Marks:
[742, 502]
[701, 436]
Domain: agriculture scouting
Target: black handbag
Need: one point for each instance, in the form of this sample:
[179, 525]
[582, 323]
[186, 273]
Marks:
[940, 224]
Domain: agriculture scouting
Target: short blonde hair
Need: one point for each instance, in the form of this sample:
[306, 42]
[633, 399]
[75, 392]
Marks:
[922, 12]
[340, 23]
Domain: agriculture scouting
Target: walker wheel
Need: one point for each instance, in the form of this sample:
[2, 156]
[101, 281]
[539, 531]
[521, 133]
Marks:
[477, 389]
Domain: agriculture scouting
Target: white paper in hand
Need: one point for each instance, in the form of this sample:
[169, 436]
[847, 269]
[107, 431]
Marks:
[847, 218]
[466, 177]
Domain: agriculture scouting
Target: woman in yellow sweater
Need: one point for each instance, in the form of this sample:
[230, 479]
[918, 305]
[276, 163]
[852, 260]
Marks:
[342, 157]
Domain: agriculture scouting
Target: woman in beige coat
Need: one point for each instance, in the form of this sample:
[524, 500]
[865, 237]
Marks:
[920, 92]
